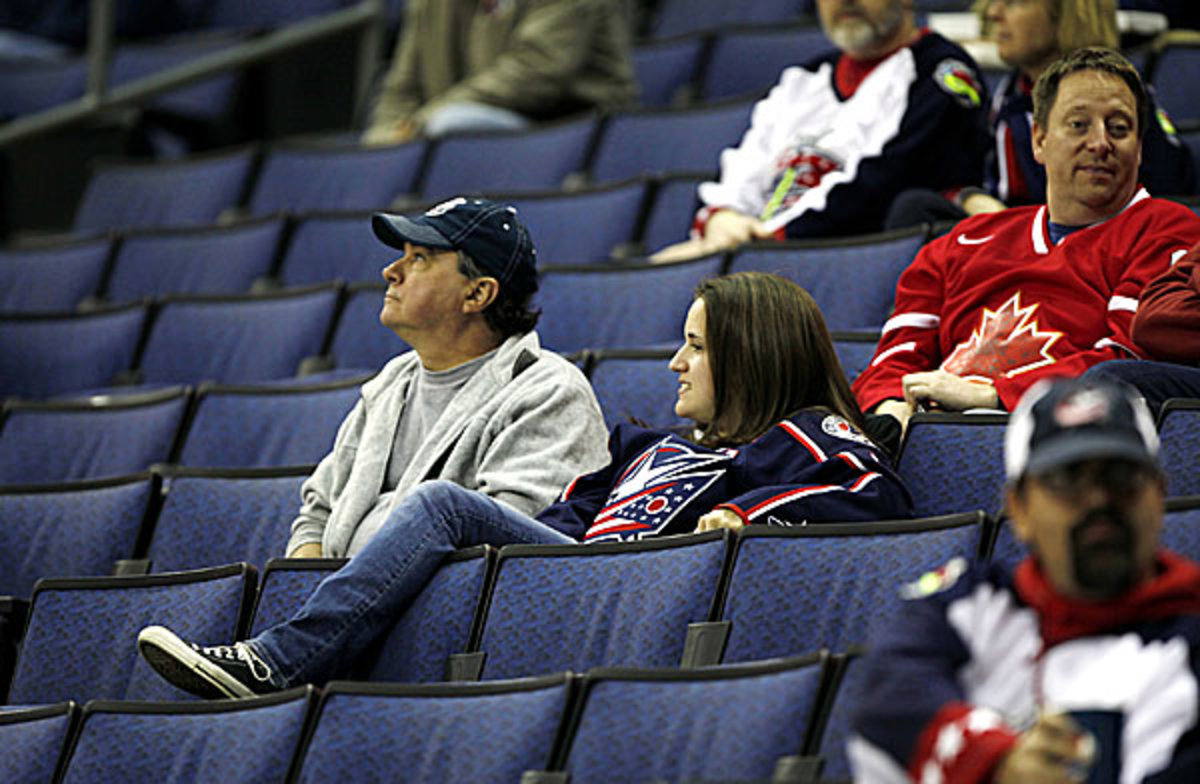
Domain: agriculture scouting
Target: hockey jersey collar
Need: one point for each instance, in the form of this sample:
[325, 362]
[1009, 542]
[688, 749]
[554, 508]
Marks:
[1041, 229]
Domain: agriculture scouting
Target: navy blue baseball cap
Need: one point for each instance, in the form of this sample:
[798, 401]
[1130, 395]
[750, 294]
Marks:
[1065, 421]
[490, 233]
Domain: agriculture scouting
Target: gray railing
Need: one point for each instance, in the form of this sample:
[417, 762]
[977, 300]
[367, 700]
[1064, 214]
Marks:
[367, 17]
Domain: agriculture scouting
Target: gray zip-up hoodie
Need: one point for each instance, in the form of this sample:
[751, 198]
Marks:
[522, 428]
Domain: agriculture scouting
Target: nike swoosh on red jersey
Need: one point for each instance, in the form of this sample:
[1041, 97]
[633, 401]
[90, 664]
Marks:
[963, 239]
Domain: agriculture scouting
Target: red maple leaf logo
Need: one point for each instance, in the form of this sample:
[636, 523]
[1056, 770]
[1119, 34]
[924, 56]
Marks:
[1007, 343]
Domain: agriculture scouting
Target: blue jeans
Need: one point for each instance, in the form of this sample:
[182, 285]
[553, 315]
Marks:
[357, 604]
[1157, 381]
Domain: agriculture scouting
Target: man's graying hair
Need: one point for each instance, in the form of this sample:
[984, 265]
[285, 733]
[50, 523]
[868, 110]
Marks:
[1091, 58]
[506, 315]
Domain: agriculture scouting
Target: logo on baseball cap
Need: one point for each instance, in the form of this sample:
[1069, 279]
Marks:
[490, 233]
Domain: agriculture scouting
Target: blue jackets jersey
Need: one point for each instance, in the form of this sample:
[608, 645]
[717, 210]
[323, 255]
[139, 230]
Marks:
[812, 466]
[958, 674]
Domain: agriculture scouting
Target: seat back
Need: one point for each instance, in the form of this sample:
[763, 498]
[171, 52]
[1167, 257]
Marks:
[183, 193]
[636, 385]
[442, 732]
[653, 141]
[221, 260]
[618, 307]
[69, 529]
[286, 585]
[571, 607]
[260, 427]
[239, 339]
[676, 17]
[360, 342]
[34, 741]
[657, 725]
[1179, 439]
[672, 209]
[664, 69]
[226, 740]
[581, 226]
[537, 159]
[209, 100]
[332, 246]
[853, 280]
[1181, 526]
[351, 177]
[88, 438]
[53, 278]
[41, 356]
[752, 59]
[953, 462]
[855, 350]
[79, 642]
[1177, 67]
[211, 517]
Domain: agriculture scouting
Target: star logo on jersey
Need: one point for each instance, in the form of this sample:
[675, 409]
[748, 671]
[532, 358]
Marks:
[655, 486]
[1007, 343]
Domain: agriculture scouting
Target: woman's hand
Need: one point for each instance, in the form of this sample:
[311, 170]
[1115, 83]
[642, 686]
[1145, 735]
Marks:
[717, 519]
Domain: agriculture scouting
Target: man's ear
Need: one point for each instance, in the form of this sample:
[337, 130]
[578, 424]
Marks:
[481, 293]
[1038, 140]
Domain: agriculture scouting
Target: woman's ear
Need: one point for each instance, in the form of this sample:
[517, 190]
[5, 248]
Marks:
[481, 294]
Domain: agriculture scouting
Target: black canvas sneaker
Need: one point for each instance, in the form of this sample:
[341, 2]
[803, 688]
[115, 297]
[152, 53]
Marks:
[213, 672]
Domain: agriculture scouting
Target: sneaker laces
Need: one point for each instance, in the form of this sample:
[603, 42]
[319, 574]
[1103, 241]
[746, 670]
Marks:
[242, 652]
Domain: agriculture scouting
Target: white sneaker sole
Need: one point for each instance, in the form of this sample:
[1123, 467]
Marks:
[175, 661]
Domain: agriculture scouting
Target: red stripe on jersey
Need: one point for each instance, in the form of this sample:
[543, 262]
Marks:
[600, 515]
[800, 436]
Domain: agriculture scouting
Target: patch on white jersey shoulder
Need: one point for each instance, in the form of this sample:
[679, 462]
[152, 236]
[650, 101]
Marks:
[957, 79]
[936, 581]
[838, 427]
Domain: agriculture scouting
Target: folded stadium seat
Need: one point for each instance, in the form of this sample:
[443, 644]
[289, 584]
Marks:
[855, 350]
[54, 354]
[796, 589]
[636, 384]
[539, 158]
[581, 226]
[28, 86]
[953, 462]
[296, 177]
[286, 585]
[211, 260]
[1181, 526]
[567, 607]
[1179, 444]
[69, 529]
[666, 70]
[435, 732]
[211, 517]
[245, 741]
[80, 643]
[86, 438]
[1175, 73]
[52, 278]
[656, 141]
[265, 426]
[360, 343]
[236, 339]
[676, 17]
[618, 306]
[751, 60]
[852, 279]
[35, 740]
[672, 209]
[438, 623]
[334, 246]
[658, 725]
[192, 192]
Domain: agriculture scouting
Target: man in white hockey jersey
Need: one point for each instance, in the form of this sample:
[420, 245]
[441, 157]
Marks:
[895, 107]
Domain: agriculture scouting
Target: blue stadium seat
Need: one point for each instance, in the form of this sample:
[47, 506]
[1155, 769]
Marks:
[209, 100]
[28, 86]
[264, 426]
[217, 260]
[852, 279]
[636, 384]
[334, 246]
[211, 517]
[672, 209]
[1181, 526]
[70, 529]
[537, 159]
[236, 339]
[1006, 549]
[658, 725]
[435, 732]
[824, 586]
[322, 177]
[34, 740]
[618, 306]
[581, 226]
[666, 69]
[953, 462]
[751, 60]
[655, 141]
[88, 438]
[855, 350]
[360, 342]
[47, 355]
[51, 278]
[286, 585]
[80, 641]
[568, 607]
[264, 14]
[1179, 437]
[188, 192]
[676, 17]
[250, 740]
[1175, 73]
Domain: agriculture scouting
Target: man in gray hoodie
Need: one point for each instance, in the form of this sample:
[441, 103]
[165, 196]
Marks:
[477, 401]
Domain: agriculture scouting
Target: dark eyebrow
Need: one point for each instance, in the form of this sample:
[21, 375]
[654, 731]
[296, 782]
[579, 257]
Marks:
[694, 336]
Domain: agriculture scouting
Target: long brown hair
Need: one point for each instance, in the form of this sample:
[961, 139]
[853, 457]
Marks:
[770, 355]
